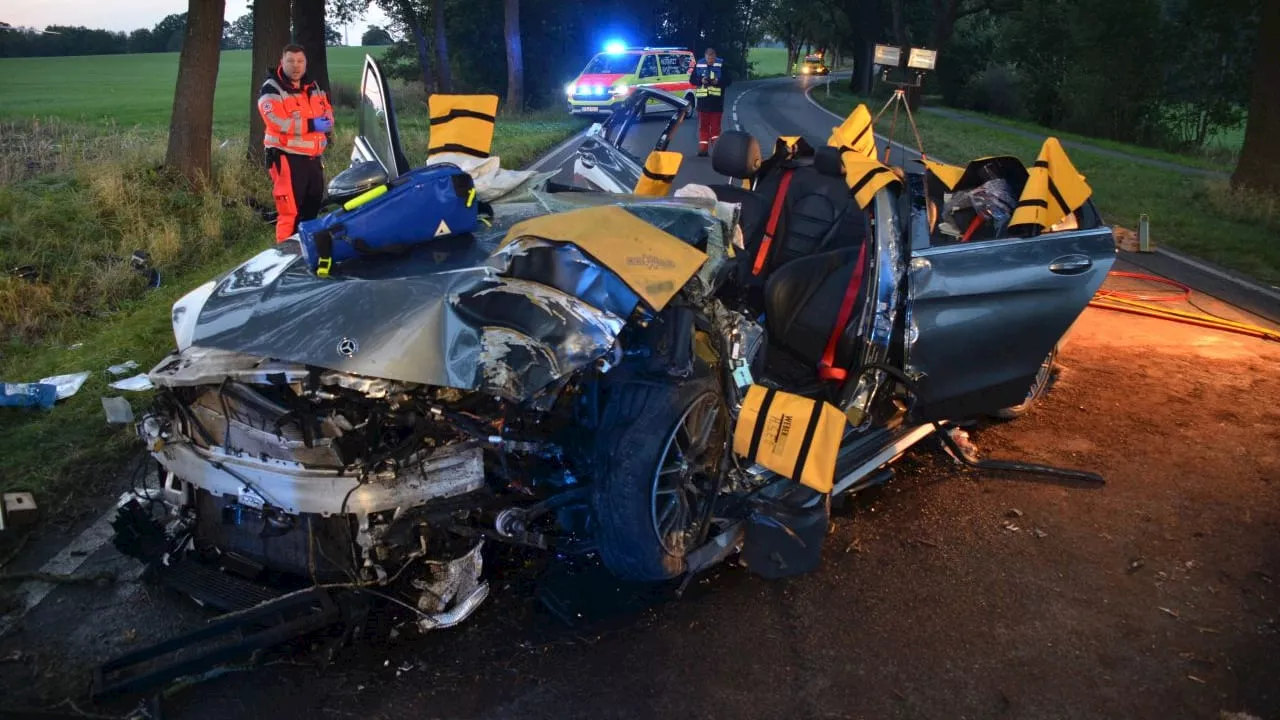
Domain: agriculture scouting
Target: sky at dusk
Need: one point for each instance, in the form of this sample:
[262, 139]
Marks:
[127, 15]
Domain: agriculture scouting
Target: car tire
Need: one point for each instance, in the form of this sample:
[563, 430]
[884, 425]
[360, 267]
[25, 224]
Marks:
[640, 459]
[1041, 385]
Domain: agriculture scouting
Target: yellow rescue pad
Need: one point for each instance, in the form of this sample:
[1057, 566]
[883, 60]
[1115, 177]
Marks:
[462, 124]
[660, 170]
[791, 435]
[652, 262]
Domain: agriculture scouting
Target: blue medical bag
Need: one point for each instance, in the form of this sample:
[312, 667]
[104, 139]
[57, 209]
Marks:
[423, 205]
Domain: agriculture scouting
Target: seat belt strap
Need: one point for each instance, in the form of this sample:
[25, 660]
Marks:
[826, 369]
[774, 214]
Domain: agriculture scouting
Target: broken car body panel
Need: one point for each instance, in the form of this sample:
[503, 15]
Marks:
[458, 313]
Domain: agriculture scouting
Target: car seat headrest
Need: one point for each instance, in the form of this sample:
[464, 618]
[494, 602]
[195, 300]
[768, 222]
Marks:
[827, 161]
[736, 154]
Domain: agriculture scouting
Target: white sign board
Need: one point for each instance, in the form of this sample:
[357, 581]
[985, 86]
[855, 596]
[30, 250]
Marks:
[922, 59]
[888, 55]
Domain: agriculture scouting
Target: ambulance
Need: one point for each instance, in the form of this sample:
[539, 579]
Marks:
[610, 76]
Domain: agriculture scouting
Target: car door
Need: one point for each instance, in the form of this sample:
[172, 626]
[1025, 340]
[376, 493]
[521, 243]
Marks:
[378, 137]
[983, 316]
[650, 76]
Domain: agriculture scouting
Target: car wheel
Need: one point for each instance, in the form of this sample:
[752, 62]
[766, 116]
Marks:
[660, 467]
[1044, 378]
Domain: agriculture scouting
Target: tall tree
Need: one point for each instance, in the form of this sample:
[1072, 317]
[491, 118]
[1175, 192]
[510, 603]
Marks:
[309, 29]
[191, 125]
[515, 56]
[443, 75]
[270, 35]
[412, 19]
[1259, 164]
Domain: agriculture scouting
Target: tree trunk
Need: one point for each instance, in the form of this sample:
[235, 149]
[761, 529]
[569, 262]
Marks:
[308, 23]
[191, 125]
[1259, 164]
[791, 56]
[270, 35]
[900, 26]
[862, 78]
[409, 14]
[443, 74]
[515, 56]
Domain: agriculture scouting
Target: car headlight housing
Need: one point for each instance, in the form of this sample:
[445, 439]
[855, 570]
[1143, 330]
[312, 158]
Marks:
[620, 90]
[570, 88]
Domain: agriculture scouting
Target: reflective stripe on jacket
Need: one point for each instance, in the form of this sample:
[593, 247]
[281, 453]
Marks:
[288, 111]
[714, 73]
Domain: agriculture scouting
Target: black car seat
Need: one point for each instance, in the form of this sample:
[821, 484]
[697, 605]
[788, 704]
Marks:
[812, 306]
[737, 155]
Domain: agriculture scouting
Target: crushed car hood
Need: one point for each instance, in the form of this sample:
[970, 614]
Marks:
[462, 312]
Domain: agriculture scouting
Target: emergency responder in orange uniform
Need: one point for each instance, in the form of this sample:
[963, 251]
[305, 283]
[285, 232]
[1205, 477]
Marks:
[298, 120]
[709, 81]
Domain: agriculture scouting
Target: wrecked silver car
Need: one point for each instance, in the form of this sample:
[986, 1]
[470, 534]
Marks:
[595, 375]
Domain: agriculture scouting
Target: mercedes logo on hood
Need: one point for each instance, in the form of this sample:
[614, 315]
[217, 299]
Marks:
[348, 347]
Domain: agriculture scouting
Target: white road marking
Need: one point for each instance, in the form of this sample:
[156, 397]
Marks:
[67, 561]
[1255, 287]
[737, 125]
[557, 150]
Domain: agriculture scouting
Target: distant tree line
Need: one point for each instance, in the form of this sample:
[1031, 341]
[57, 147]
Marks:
[167, 36]
[464, 45]
[1164, 73]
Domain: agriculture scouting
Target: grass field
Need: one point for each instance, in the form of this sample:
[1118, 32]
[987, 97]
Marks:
[133, 90]
[137, 90]
[1219, 154]
[1197, 216]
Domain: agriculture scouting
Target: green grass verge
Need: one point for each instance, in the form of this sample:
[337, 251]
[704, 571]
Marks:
[1191, 214]
[113, 203]
[129, 90]
[1219, 161]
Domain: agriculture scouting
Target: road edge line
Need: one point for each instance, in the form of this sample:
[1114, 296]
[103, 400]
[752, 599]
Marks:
[561, 147]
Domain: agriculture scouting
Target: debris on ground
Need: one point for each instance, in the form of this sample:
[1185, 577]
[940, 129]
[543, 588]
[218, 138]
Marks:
[1013, 513]
[28, 395]
[1040, 533]
[1196, 679]
[1010, 526]
[122, 368]
[67, 385]
[1135, 565]
[119, 411]
[1167, 611]
[17, 510]
[137, 383]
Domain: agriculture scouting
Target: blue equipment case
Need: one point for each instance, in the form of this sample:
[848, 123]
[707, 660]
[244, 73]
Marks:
[423, 205]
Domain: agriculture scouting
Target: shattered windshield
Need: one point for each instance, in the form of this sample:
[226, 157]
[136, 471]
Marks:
[605, 64]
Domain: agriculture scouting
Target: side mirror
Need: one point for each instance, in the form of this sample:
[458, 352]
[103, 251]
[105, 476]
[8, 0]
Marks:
[360, 178]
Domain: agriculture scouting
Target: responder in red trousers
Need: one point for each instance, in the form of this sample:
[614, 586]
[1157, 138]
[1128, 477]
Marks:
[298, 120]
[709, 81]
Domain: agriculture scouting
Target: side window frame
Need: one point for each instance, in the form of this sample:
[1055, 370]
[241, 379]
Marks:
[656, 69]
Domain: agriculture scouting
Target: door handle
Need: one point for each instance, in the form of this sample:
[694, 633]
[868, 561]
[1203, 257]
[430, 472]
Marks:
[1070, 264]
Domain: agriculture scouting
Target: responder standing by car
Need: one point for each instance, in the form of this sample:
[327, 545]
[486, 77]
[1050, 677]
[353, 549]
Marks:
[709, 81]
[298, 120]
